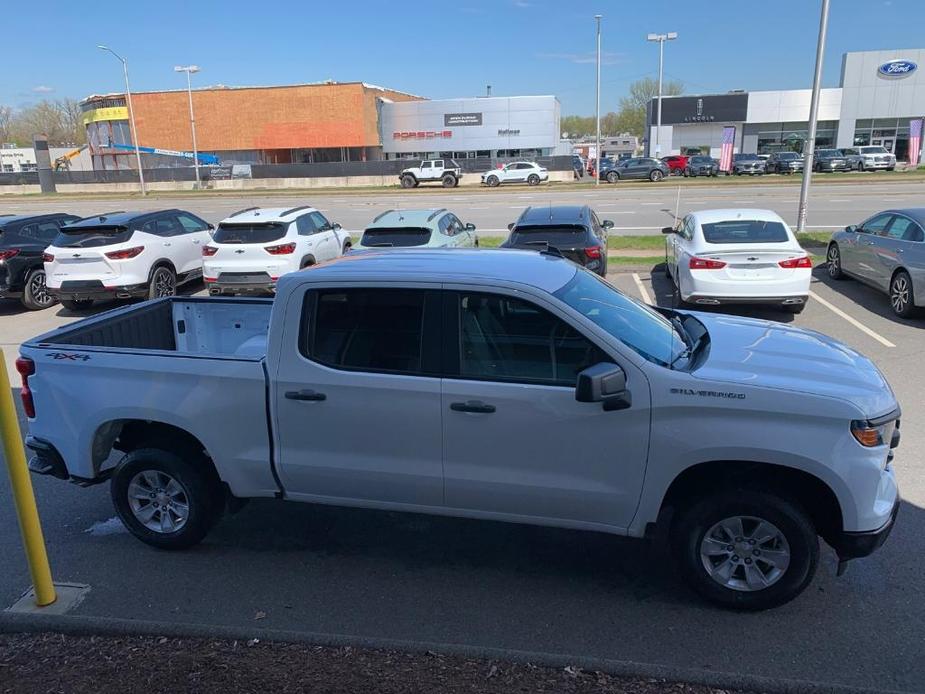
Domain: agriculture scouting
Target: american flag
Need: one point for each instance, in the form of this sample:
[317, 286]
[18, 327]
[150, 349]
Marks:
[725, 156]
[915, 141]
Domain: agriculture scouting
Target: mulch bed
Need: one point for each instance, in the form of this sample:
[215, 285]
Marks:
[47, 663]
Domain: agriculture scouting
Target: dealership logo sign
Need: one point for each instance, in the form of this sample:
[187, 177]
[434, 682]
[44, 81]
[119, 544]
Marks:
[699, 117]
[897, 68]
[508, 131]
[421, 134]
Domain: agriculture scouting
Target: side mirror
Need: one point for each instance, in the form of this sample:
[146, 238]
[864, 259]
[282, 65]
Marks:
[470, 226]
[667, 230]
[210, 227]
[604, 383]
[607, 224]
[336, 227]
[851, 228]
[510, 227]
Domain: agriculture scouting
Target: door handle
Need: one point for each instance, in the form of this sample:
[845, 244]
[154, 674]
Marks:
[197, 241]
[166, 243]
[472, 406]
[306, 395]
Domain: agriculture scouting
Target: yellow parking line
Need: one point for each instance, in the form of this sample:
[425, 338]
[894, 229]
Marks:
[642, 288]
[857, 324]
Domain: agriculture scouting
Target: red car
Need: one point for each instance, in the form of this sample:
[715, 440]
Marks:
[676, 164]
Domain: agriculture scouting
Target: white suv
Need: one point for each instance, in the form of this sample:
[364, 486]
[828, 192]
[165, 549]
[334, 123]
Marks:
[254, 247]
[123, 255]
[518, 172]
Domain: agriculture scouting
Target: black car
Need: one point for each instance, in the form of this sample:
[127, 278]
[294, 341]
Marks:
[750, 164]
[701, 166]
[830, 160]
[23, 239]
[573, 231]
[635, 168]
[785, 162]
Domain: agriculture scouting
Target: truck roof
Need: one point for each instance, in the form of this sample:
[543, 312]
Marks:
[543, 271]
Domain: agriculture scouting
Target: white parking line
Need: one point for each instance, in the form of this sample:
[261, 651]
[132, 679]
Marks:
[857, 324]
[642, 288]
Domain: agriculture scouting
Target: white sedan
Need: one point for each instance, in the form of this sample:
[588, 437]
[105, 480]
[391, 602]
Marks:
[518, 172]
[737, 257]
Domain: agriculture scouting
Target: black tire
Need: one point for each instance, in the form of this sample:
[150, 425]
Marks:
[833, 262]
[794, 525]
[448, 181]
[76, 304]
[655, 176]
[346, 249]
[533, 180]
[163, 283]
[493, 181]
[902, 295]
[861, 166]
[408, 182]
[198, 489]
[890, 168]
[35, 295]
[612, 177]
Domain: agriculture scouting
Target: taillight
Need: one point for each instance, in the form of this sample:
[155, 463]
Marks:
[804, 262]
[209, 251]
[48, 258]
[705, 264]
[210, 279]
[6, 255]
[125, 254]
[26, 367]
[282, 249]
[593, 252]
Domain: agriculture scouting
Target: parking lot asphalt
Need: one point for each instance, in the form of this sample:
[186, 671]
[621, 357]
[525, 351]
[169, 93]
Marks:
[297, 567]
[640, 209]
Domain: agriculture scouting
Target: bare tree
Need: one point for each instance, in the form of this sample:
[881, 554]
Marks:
[59, 121]
[72, 120]
[6, 123]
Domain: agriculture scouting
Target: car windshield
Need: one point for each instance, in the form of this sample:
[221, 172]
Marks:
[788, 155]
[745, 231]
[828, 153]
[91, 237]
[566, 235]
[249, 233]
[636, 325]
[701, 160]
[874, 150]
[395, 236]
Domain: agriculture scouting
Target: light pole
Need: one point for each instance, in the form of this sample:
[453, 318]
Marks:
[597, 141]
[131, 115]
[660, 38]
[189, 70]
[810, 147]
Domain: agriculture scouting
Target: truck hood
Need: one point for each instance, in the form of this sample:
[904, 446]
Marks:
[766, 354]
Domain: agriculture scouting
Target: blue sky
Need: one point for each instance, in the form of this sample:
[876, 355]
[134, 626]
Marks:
[444, 49]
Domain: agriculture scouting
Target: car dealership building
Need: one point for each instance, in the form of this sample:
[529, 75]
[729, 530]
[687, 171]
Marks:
[880, 94]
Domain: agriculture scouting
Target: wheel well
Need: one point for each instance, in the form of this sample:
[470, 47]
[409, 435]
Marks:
[408, 174]
[306, 261]
[127, 435]
[163, 262]
[810, 492]
[896, 272]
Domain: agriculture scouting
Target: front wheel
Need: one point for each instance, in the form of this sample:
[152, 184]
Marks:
[35, 296]
[346, 249]
[493, 181]
[656, 176]
[746, 550]
[163, 283]
[902, 297]
[533, 180]
[613, 177]
[165, 500]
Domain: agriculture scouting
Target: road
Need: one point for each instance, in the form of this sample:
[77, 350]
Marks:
[641, 209]
[390, 575]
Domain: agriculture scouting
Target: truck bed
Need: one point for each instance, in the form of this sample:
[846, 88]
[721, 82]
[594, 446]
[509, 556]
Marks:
[235, 328]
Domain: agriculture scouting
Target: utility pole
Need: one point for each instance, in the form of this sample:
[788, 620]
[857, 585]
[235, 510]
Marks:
[189, 70]
[131, 115]
[660, 38]
[810, 147]
[597, 163]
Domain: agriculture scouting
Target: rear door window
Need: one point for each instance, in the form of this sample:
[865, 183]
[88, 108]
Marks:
[37, 232]
[320, 221]
[305, 225]
[249, 233]
[904, 229]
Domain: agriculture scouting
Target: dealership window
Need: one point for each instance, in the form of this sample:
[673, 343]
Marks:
[28, 166]
[791, 137]
[892, 133]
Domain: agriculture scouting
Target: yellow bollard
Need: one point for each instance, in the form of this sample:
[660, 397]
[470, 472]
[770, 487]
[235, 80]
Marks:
[32, 538]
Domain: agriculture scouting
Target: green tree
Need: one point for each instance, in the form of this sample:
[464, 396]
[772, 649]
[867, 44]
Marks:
[631, 117]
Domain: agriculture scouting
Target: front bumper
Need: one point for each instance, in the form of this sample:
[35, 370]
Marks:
[94, 289]
[853, 545]
[878, 164]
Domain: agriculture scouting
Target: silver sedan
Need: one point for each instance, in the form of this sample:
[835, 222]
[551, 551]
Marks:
[887, 252]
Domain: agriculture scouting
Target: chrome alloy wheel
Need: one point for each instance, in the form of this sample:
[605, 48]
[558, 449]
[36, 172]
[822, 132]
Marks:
[745, 553]
[158, 501]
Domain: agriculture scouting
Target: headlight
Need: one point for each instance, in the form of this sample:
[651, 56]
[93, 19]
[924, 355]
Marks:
[871, 436]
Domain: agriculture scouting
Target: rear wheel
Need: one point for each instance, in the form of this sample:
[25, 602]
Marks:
[35, 296]
[448, 180]
[76, 304]
[163, 283]
[745, 549]
[833, 259]
[861, 166]
[166, 500]
[902, 298]
[408, 182]
[533, 180]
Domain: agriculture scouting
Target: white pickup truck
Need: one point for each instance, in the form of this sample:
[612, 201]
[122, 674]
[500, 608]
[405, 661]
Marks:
[501, 385]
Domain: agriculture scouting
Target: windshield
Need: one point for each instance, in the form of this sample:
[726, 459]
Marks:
[636, 325]
[745, 231]
[874, 150]
[396, 236]
[555, 235]
[746, 157]
[91, 237]
[249, 233]
[701, 160]
[828, 153]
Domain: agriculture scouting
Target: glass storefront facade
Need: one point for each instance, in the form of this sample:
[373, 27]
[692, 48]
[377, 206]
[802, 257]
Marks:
[790, 137]
[891, 133]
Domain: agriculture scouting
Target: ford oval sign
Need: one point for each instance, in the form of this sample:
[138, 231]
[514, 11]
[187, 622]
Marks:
[897, 68]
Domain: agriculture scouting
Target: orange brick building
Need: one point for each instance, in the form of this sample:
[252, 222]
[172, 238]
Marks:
[263, 125]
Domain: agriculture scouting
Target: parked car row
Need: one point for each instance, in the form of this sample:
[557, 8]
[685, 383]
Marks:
[448, 173]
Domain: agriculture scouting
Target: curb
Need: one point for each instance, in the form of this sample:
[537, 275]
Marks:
[11, 623]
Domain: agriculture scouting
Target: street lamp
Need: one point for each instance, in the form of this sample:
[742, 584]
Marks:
[660, 38]
[597, 164]
[131, 115]
[189, 70]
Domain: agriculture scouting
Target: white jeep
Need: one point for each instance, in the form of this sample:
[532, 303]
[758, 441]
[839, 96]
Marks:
[447, 171]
